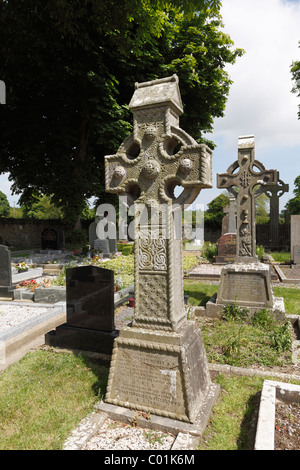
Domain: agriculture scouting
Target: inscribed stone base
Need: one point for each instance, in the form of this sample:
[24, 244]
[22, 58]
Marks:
[161, 373]
[69, 337]
[245, 285]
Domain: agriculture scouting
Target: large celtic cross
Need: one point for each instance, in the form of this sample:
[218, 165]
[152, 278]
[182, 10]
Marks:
[151, 162]
[242, 181]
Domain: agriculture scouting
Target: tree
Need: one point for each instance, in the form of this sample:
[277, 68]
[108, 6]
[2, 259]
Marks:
[295, 70]
[262, 204]
[4, 205]
[40, 206]
[69, 68]
[214, 214]
[293, 205]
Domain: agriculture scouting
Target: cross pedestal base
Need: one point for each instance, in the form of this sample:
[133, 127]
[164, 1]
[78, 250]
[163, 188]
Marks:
[247, 285]
[160, 373]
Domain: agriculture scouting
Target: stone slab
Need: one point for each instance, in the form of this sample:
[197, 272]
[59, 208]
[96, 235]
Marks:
[297, 254]
[295, 233]
[271, 391]
[24, 276]
[30, 334]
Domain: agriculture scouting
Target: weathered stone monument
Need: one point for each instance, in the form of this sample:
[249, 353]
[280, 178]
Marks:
[227, 241]
[274, 192]
[6, 287]
[159, 364]
[295, 239]
[106, 240]
[246, 282]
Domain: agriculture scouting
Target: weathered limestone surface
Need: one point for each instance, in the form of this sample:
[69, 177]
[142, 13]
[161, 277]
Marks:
[246, 282]
[159, 364]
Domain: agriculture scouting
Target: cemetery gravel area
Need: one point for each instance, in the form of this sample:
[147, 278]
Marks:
[287, 426]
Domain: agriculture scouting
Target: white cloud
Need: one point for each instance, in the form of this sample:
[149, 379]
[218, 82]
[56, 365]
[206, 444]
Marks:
[260, 100]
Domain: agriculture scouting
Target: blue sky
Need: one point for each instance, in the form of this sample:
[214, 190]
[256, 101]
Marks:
[260, 100]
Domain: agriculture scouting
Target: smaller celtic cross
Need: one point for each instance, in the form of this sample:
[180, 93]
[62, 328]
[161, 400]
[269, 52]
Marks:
[241, 180]
[274, 192]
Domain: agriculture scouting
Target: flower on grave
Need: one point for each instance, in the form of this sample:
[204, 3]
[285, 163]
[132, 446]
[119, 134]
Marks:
[22, 266]
[47, 282]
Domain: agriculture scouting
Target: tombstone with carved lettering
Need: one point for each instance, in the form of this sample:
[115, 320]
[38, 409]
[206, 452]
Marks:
[159, 363]
[246, 282]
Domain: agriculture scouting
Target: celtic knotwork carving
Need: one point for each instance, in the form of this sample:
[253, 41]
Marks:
[152, 252]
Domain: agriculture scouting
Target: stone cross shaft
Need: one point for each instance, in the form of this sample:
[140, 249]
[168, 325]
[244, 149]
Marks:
[274, 192]
[150, 163]
[241, 180]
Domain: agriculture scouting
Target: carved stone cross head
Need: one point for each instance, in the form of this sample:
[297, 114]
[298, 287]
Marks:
[158, 155]
[245, 183]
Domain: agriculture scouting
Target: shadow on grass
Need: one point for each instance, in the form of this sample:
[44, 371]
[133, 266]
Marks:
[199, 294]
[246, 438]
[100, 368]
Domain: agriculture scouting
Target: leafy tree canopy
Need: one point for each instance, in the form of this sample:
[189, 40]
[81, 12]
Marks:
[214, 214]
[295, 70]
[4, 205]
[69, 67]
[293, 205]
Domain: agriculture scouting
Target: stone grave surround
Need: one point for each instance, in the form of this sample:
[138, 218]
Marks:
[246, 282]
[295, 239]
[159, 363]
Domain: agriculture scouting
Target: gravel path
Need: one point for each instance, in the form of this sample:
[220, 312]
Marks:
[120, 436]
[14, 314]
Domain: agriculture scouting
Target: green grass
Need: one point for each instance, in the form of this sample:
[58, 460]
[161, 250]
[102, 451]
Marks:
[281, 256]
[232, 423]
[200, 293]
[291, 298]
[44, 396]
[241, 344]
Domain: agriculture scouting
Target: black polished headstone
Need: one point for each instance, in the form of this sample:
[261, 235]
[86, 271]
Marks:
[5, 273]
[90, 312]
[90, 298]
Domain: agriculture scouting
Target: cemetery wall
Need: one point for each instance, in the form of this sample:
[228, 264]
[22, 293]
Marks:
[25, 232]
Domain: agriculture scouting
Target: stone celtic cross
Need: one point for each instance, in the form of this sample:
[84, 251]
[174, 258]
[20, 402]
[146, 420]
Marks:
[241, 180]
[274, 192]
[150, 163]
[158, 363]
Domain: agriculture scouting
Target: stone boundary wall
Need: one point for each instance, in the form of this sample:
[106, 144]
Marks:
[25, 232]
